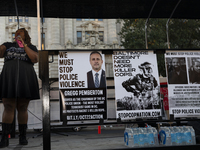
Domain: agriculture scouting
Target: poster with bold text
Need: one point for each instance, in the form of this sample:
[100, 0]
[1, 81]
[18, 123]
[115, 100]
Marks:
[82, 84]
[183, 75]
[136, 84]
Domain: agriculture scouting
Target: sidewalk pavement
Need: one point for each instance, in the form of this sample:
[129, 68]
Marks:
[111, 137]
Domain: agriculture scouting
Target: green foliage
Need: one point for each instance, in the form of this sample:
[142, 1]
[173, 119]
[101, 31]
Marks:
[133, 34]
[183, 34]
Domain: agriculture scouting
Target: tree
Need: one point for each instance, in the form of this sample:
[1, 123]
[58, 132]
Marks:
[183, 34]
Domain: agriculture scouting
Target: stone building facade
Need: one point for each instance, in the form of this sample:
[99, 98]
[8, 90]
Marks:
[64, 33]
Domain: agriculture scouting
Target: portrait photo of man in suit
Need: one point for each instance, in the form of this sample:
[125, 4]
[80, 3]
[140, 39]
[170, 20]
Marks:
[96, 77]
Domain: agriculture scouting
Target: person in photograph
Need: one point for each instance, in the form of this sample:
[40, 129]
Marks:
[194, 71]
[177, 75]
[18, 83]
[143, 86]
[169, 65]
[96, 76]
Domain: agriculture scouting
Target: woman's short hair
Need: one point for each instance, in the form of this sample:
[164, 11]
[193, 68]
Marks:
[27, 37]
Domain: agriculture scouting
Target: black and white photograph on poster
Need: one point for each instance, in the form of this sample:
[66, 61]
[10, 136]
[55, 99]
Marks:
[177, 70]
[183, 70]
[194, 69]
[136, 84]
[82, 84]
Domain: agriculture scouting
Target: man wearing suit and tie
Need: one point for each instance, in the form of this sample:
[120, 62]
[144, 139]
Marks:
[96, 77]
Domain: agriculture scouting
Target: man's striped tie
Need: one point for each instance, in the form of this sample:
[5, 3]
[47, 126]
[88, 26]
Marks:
[96, 80]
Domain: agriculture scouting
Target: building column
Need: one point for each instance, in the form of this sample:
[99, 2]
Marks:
[2, 37]
[105, 24]
[68, 30]
[2, 30]
[112, 36]
[33, 33]
[55, 34]
[48, 33]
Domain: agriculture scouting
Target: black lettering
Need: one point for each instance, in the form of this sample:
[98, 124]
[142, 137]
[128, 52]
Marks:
[65, 69]
[66, 61]
[68, 76]
[63, 54]
[72, 84]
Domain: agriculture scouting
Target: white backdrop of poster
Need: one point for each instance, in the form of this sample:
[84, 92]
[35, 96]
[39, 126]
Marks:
[79, 102]
[183, 74]
[136, 84]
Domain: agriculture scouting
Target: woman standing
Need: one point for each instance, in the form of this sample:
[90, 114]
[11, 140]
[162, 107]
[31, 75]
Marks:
[18, 83]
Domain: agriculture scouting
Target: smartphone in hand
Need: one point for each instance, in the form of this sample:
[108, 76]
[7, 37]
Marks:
[19, 42]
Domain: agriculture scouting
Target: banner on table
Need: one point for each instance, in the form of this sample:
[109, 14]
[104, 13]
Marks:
[164, 93]
[183, 74]
[136, 84]
[83, 92]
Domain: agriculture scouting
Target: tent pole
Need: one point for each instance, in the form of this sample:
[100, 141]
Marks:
[43, 60]
[42, 20]
[16, 12]
[38, 19]
[167, 27]
[147, 23]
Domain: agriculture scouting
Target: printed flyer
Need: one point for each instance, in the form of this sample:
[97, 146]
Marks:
[82, 84]
[136, 84]
[183, 74]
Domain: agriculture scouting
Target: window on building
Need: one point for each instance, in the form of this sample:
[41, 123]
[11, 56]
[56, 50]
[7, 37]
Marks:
[13, 37]
[79, 37]
[43, 40]
[109, 69]
[101, 35]
[109, 65]
[87, 35]
[43, 20]
[89, 19]
[26, 19]
[20, 19]
[10, 19]
[100, 19]
[78, 19]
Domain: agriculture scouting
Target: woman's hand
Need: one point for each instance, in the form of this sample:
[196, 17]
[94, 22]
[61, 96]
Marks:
[31, 54]
[19, 38]
[2, 50]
